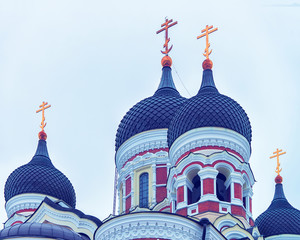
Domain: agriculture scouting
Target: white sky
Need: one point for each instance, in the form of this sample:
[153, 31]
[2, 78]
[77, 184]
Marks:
[93, 60]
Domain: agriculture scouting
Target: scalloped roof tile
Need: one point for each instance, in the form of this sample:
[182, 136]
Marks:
[154, 112]
[209, 108]
[40, 176]
[280, 218]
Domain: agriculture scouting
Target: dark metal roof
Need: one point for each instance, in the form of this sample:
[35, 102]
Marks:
[209, 108]
[153, 112]
[40, 230]
[280, 218]
[40, 176]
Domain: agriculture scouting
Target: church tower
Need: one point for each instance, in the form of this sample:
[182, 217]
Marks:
[210, 145]
[27, 186]
[142, 158]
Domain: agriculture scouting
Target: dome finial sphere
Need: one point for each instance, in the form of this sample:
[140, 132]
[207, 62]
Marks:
[42, 135]
[207, 64]
[278, 179]
[166, 61]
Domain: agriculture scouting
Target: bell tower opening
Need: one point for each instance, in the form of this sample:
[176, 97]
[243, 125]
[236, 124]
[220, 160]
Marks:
[194, 192]
[223, 193]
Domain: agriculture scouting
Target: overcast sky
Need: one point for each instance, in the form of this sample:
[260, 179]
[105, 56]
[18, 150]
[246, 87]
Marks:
[93, 60]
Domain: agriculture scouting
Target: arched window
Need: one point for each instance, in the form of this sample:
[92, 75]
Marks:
[144, 190]
[223, 194]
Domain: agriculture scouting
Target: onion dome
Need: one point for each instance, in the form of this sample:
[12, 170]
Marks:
[155, 112]
[209, 108]
[40, 176]
[280, 218]
[39, 230]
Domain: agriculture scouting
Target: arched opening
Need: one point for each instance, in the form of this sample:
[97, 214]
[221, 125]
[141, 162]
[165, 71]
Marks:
[246, 193]
[194, 191]
[223, 193]
[144, 190]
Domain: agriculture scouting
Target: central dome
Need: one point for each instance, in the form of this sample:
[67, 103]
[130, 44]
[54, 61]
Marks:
[209, 108]
[40, 176]
[154, 112]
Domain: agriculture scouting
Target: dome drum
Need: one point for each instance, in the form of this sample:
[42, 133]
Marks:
[140, 144]
[25, 201]
[213, 138]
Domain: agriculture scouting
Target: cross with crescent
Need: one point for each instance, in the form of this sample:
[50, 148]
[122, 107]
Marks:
[165, 26]
[277, 154]
[205, 32]
[43, 107]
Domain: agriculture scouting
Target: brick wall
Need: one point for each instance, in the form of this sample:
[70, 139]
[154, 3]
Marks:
[208, 186]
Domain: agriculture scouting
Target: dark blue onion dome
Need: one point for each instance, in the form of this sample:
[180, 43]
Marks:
[155, 112]
[280, 218]
[40, 176]
[209, 108]
[39, 230]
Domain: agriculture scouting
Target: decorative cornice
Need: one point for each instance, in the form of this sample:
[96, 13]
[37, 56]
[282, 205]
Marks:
[210, 136]
[153, 139]
[149, 225]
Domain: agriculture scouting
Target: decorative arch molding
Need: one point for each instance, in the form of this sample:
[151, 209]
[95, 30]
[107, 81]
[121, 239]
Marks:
[237, 232]
[210, 136]
[227, 220]
[214, 160]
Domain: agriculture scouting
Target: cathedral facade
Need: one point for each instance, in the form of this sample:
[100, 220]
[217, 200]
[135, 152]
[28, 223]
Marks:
[182, 173]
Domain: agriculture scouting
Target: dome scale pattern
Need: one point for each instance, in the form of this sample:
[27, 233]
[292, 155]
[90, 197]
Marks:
[209, 108]
[280, 218]
[155, 112]
[40, 176]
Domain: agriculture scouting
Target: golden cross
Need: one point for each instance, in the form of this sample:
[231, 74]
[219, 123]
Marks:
[205, 33]
[42, 108]
[277, 154]
[165, 26]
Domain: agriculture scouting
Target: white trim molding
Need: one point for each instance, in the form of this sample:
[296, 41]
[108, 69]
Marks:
[144, 141]
[210, 136]
[25, 201]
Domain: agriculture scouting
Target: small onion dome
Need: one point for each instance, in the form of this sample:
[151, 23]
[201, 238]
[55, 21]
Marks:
[280, 218]
[40, 176]
[154, 112]
[209, 108]
[39, 230]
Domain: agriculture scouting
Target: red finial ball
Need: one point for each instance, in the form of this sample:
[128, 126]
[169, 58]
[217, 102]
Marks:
[166, 61]
[207, 64]
[42, 135]
[278, 179]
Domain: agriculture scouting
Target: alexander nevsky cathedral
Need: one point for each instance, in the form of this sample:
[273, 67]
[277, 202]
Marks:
[182, 168]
